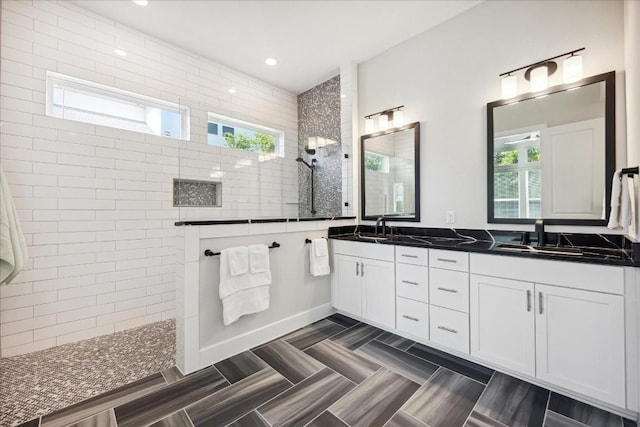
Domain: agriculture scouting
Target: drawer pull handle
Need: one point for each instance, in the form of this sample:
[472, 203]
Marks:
[357, 268]
[410, 283]
[415, 319]
[409, 256]
[362, 269]
[528, 300]
[454, 291]
[444, 328]
[446, 260]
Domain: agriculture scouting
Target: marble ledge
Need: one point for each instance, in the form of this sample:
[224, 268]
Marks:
[260, 220]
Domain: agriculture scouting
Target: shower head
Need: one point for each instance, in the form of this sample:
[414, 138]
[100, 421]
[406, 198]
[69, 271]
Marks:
[300, 159]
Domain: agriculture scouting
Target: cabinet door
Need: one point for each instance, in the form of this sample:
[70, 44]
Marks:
[346, 284]
[580, 341]
[502, 322]
[379, 292]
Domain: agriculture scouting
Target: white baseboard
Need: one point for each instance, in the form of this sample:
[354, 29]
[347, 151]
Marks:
[222, 350]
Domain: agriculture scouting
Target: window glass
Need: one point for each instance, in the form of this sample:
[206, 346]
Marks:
[84, 101]
[240, 135]
[376, 162]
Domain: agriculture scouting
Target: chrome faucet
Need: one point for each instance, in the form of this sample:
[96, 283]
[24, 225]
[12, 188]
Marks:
[540, 232]
[381, 220]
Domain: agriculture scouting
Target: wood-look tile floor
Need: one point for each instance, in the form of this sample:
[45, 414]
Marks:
[335, 372]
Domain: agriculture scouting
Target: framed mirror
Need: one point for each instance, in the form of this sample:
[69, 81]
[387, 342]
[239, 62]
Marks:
[551, 154]
[390, 174]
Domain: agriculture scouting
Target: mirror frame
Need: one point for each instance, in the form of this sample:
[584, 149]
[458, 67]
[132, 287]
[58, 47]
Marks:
[610, 147]
[416, 144]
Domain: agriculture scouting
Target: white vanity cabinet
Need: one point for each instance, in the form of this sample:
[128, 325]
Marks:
[449, 299]
[363, 281]
[565, 325]
[503, 322]
[412, 291]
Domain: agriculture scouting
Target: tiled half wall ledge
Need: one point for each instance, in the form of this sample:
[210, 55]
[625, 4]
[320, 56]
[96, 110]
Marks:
[296, 297]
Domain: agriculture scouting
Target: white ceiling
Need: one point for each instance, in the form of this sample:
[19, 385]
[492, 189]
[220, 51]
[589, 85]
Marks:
[310, 39]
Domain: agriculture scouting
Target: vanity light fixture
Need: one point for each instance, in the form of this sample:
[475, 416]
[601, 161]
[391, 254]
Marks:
[539, 78]
[572, 68]
[369, 125]
[391, 118]
[272, 62]
[538, 73]
[141, 2]
[509, 86]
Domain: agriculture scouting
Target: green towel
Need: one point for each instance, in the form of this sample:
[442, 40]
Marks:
[13, 249]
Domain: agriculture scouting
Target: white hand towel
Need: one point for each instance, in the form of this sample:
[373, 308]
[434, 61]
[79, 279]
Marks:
[13, 248]
[258, 258]
[228, 283]
[318, 265]
[320, 247]
[620, 215]
[243, 302]
[238, 258]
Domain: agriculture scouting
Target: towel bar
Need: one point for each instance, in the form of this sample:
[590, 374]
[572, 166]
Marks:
[209, 252]
[309, 240]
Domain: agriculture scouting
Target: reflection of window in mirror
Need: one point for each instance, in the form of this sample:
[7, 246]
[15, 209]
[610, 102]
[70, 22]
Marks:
[375, 162]
[398, 197]
[516, 179]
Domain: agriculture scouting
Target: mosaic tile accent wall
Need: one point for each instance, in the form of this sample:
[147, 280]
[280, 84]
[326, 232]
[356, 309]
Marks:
[319, 115]
[187, 192]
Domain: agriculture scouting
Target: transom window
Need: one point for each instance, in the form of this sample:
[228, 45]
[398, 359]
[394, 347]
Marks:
[84, 101]
[240, 135]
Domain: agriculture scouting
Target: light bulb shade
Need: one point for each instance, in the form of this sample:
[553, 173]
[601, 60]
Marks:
[539, 78]
[398, 118]
[383, 122]
[369, 125]
[572, 69]
[509, 86]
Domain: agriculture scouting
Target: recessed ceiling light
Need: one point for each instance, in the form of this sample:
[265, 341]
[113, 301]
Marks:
[232, 91]
[120, 52]
[272, 62]
[141, 2]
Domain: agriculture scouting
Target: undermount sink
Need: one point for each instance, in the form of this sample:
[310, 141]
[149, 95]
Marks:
[541, 250]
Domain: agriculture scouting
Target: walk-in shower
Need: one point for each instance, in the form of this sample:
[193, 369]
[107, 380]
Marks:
[311, 166]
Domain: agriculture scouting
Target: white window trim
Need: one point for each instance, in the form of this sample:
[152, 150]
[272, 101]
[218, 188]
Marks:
[53, 77]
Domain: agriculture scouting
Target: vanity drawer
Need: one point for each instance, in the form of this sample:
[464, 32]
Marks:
[412, 281]
[449, 328]
[412, 317]
[449, 289]
[409, 255]
[450, 260]
[363, 250]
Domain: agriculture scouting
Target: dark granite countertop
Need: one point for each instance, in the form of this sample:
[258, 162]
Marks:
[575, 247]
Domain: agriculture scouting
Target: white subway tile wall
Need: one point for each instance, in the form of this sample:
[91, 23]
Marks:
[96, 202]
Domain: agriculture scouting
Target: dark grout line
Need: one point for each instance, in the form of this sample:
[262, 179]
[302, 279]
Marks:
[546, 408]
[480, 398]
